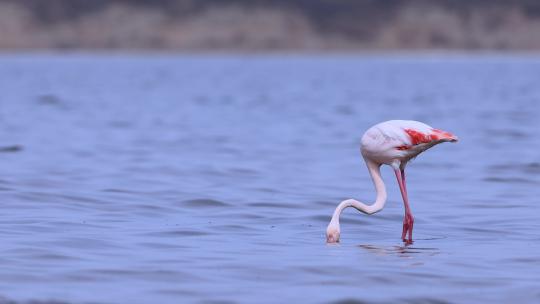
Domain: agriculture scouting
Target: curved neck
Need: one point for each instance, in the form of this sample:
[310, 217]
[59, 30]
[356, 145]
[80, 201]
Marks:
[375, 172]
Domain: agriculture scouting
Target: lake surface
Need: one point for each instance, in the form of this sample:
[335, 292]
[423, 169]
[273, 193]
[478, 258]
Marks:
[211, 179]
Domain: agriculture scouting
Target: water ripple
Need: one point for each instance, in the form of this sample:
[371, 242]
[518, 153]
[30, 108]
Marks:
[204, 203]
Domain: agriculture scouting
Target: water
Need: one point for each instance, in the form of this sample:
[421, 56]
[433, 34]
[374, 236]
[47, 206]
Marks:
[211, 179]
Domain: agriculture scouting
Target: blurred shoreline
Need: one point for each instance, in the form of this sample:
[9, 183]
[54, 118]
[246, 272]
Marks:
[427, 53]
[231, 26]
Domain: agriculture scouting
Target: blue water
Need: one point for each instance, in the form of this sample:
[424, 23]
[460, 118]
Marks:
[211, 179]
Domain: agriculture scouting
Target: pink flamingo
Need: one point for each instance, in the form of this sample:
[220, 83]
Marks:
[393, 143]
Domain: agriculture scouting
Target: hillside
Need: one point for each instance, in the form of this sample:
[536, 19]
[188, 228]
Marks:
[257, 25]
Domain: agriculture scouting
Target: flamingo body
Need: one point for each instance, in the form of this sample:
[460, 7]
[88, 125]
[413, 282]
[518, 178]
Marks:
[400, 140]
[392, 143]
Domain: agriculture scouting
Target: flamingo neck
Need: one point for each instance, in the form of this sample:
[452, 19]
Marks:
[378, 205]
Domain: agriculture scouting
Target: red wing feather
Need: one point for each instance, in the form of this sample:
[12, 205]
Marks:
[418, 137]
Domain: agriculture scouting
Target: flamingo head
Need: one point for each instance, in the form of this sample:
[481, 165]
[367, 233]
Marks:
[332, 233]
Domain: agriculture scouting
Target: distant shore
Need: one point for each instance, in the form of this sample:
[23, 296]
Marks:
[270, 26]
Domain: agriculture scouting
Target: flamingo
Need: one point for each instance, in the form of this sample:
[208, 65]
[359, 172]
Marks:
[393, 143]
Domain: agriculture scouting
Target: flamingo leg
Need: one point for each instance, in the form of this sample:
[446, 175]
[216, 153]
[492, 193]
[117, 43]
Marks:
[403, 179]
[411, 219]
[408, 220]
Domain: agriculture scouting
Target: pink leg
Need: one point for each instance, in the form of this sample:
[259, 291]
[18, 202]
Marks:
[408, 220]
[403, 179]
[411, 219]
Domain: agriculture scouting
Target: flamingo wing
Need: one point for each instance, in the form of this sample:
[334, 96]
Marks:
[429, 137]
